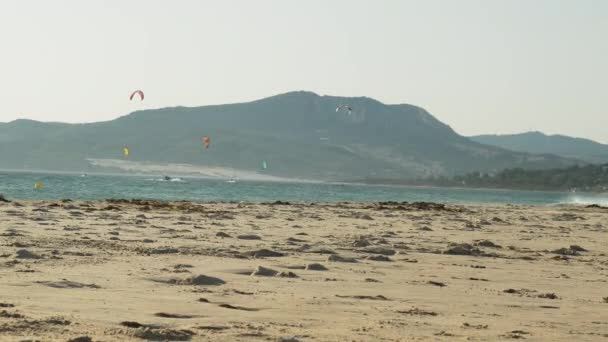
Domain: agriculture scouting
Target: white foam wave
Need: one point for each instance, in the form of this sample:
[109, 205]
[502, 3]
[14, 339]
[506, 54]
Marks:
[587, 199]
[180, 180]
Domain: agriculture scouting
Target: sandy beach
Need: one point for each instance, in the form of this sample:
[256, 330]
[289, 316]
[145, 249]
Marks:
[181, 271]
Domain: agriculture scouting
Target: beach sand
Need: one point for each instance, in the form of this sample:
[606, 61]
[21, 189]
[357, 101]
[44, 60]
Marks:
[139, 270]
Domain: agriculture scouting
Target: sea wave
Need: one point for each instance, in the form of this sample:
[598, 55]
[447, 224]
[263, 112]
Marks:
[586, 199]
[180, 180]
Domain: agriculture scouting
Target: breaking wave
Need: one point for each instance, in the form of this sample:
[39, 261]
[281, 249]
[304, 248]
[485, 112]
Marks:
[587, 199]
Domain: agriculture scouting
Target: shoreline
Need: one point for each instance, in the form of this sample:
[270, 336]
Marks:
[280, 179]
[127, 201]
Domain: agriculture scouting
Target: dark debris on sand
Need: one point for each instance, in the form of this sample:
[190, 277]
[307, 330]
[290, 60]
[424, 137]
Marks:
[467, 249]
[170, 315]
[531, 293]
[212, 327]
[516, 334]
[378, 250]
[417, 312]
[378, 297]
[474, 326]
[67, 284]
[276, 203]
[261, 271]
[382, 258]
[462, 249]
[577, 248]
[25, 254]
[573, 250]
[407, 206]
[436, 283]
[132, 324]
[234, 307]
[81, 339]
[158, 334]
[487, 243]
[338, 258]
[6, 314]
[568, 217]
[315, 267]
[595, 206]
[263, 253]
[548, 296]
[199, 280]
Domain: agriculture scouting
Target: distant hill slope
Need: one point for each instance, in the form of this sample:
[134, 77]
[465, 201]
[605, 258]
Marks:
[537, 142]
[299, 133]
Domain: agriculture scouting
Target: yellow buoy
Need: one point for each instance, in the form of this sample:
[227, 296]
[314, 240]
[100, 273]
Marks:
[38, 186]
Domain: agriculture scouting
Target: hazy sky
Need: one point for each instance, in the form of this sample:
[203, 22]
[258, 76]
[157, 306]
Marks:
[480, 66]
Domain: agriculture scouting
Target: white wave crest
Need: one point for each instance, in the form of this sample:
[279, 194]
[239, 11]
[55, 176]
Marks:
[587, 199]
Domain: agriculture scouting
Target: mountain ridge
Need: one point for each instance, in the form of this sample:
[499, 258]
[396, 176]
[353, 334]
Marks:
[299, 133]
[558, 144]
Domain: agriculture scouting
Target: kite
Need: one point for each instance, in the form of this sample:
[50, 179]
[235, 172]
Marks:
[138, 92]
[347, 107]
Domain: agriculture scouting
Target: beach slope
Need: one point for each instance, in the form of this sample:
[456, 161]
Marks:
[146, 270]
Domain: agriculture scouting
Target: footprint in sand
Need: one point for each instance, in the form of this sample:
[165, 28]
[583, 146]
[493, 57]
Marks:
[177, 316]
[67, 284]
[378, 297]
[288, 339]
[200, 279]
[263, 253]
[436, 283]
[6, 314]
[417, 312]
[487, 243]
[249, 237]
[234, 307]
[25, 254]
[212, 327]
[261, 271]
[378, 258]
[11, 232]
[315, 267]
[337, 258]
[371, 280]
[316, 250]
[157, 334]
[81, 339]
[133, 324]
[378, 250]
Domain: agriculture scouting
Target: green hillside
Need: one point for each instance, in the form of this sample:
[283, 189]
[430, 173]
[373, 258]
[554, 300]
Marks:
[299, 133]
[537, 142]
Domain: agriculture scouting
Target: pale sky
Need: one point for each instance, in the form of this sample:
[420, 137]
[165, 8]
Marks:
[481, 66]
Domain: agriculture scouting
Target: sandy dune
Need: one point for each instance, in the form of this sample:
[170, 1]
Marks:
[120, 270]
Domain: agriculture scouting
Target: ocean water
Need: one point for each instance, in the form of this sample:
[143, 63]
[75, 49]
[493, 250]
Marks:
[20, 185]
